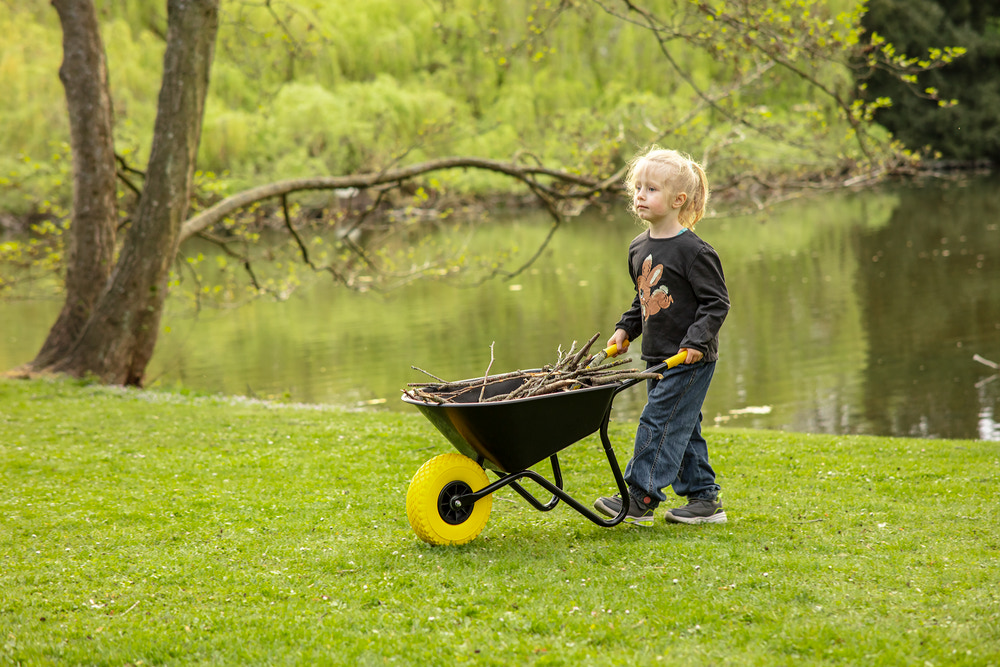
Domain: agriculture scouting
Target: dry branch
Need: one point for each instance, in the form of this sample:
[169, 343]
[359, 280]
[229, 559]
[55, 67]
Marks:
[570, 372]
[581, 186]
[986, 362]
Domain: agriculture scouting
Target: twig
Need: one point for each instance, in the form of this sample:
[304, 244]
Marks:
[445, 385]
[986, 362]
[424, 396]
[552, 387]
[571, 372]
[604, 368]
[985, 381]
[628, 374]
[487, 373]
[584, 350]
[564, 362]
[427, 374]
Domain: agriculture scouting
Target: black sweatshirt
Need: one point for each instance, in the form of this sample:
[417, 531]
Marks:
[681, 297]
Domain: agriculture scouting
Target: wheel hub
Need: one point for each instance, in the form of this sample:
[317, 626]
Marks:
[451, 509]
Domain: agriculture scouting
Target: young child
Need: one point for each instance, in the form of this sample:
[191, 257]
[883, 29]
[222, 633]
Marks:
[681, 301]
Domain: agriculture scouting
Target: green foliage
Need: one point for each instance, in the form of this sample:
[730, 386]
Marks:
[32, 113]
[155, 528]
[315, 88]
[314, 131]
[951, 111]
[333, 87]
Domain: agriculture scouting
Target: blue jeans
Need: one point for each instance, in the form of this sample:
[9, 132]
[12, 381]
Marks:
[669, 448]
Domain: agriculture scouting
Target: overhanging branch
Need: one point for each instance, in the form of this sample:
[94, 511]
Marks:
[584, 186]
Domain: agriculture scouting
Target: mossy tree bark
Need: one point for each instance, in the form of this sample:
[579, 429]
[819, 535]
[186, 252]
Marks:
[117, 340]
[90, 244]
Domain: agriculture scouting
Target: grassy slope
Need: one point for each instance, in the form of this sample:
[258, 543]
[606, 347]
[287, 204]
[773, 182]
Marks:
[151, 528]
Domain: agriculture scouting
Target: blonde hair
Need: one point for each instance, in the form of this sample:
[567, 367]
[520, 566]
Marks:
[683, 175]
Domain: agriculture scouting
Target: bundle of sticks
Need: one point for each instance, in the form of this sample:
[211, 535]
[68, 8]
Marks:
[573, 370]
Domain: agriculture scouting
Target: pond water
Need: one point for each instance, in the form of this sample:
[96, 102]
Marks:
[852, 313]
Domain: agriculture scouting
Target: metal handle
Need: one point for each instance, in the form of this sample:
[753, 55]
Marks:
[667, 364]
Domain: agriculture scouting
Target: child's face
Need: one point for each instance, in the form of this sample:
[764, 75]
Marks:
[653, 200]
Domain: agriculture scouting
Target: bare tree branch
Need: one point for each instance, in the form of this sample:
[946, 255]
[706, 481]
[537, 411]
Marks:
[302, 246]
[525, 174]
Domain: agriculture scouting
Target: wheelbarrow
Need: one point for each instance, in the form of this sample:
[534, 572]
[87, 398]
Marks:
[449, 499]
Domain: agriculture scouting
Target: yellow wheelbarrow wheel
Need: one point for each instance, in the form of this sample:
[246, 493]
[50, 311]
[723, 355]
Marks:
[431, 508]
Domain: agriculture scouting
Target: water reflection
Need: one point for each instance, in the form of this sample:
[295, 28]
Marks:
[855, 313]
[927, 284]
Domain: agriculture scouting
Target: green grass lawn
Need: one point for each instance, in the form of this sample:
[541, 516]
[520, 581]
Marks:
[155, 529]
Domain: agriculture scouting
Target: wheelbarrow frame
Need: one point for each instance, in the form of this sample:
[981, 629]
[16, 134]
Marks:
[470, 424]
[556, 487]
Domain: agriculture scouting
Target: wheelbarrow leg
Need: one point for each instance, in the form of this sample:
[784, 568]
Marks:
[556, 489]
[616, 471]
[535, 502]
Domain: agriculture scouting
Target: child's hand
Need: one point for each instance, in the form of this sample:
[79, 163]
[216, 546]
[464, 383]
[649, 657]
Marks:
[621, 340]
[693, 356]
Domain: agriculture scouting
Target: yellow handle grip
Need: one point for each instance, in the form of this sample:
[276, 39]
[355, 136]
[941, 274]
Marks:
[676, 359]
[611, 350]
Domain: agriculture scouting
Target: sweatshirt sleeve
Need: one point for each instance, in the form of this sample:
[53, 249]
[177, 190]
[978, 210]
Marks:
[709, 283]
[631, 319]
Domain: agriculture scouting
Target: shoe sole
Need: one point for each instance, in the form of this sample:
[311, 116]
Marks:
[719, 517]
[644, 521]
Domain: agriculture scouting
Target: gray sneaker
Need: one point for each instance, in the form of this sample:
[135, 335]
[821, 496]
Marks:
[639, 513]
[698, 510]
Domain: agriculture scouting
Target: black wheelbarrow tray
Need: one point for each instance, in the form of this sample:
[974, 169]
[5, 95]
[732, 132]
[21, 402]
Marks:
[449, 498]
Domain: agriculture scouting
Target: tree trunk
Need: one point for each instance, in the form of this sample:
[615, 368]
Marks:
[90, 244]
[117, 341]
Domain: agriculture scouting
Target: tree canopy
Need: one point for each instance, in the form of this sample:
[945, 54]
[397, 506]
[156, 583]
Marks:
[305, 88]
[965, 131]
[410, 106]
